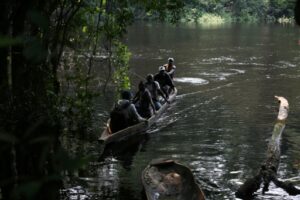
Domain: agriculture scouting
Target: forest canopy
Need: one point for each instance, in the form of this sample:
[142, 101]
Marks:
[237, 10]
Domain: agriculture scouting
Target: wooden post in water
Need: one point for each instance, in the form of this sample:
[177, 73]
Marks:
[268, 171]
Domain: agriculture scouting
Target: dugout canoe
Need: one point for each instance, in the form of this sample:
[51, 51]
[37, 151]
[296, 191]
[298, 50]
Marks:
[106, 136]
[165, 179]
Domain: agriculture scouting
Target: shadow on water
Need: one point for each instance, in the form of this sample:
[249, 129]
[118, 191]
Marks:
[124, 151]
[223, 115]
[102, 179]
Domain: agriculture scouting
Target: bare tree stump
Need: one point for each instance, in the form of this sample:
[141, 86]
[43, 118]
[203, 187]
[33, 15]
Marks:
[268, 170]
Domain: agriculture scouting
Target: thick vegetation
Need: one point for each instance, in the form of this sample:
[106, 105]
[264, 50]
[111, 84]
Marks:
[38, 101]
[239, 10]
[41, 40]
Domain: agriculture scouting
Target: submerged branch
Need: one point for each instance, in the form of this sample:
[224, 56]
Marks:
[288, 187]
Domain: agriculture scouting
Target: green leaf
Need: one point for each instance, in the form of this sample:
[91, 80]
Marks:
[84, 29]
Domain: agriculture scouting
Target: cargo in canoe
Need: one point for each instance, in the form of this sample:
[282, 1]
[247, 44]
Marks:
[166, 179]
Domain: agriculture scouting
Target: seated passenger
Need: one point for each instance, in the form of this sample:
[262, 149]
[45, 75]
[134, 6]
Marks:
[164, 80]
[170, 67]
[144, 101]
[124, 114]
[154, 89]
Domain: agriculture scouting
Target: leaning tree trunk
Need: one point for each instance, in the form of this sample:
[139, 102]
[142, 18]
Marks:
[268, 171]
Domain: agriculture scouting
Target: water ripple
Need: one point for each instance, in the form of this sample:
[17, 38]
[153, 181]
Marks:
[218, 59]
[195, 81]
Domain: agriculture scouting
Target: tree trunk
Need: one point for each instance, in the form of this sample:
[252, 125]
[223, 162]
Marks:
[297, 12]
[30, 126]
[268, 171]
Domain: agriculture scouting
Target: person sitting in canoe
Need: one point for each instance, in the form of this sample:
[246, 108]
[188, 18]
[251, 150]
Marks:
[170, 67]
[164, 80]
[154, 89]
[143, 101]
[124, 113]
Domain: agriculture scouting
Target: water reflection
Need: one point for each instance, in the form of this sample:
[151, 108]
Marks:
[124, 151]
[223, 116]
[195, 81]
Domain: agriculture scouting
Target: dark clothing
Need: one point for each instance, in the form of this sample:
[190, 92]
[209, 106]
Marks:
[123, 115]
[157, 104]
[144, 103]
[165, 82]
[153, 88]
[164, 79]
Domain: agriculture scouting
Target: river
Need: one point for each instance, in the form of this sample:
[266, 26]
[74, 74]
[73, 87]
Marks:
[224, 113]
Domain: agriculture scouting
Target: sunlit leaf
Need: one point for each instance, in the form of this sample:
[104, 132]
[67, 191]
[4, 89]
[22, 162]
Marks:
[84, 29]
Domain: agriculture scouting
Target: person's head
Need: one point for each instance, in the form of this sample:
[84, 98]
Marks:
[141, 86]
[170, 60]
[125, 94]
[161, 69]
[150, 78]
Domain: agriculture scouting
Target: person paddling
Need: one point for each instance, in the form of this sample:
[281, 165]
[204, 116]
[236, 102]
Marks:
[170, 67]
[124, 113]
[154, 89]
[143, 101]
[164, 80]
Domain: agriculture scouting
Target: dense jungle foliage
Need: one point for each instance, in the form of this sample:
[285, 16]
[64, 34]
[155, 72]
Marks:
[47, 52]
[216, 11]
[243, 10]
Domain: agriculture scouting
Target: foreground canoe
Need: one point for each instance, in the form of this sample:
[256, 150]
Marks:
[106, 137]
[166, 179]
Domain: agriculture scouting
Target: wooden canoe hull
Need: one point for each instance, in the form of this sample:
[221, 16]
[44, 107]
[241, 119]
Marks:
[166, 179]
[106, 137]
[124, 150]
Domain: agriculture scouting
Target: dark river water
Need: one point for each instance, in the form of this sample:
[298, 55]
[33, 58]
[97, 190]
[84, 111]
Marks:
[224, 113]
